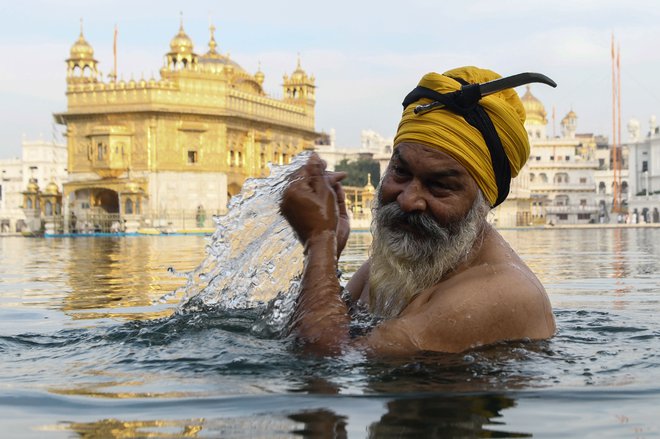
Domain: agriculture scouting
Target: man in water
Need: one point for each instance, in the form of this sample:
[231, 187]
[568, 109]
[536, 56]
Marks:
[440, 277]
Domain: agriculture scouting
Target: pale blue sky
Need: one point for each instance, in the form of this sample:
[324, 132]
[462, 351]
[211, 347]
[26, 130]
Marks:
[366, 55]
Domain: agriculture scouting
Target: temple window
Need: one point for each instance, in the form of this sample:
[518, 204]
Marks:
[129, 207]
[29, 203]
[99, 151]
[192, 156]
[49, 208]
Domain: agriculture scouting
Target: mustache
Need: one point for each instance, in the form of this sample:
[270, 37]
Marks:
[392, 216]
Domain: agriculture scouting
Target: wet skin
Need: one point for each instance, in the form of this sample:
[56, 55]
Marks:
[492, 296]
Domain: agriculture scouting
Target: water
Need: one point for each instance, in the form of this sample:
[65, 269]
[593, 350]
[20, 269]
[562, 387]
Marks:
[94, 344]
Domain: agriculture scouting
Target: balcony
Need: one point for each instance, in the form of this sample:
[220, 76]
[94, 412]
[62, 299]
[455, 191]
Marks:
[561, 164]
[572, 209]
[562, 187]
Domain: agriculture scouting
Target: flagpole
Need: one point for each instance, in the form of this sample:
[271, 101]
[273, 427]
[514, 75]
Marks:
[615, 159]
[114, 52]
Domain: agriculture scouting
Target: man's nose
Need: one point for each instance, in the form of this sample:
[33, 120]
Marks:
[411, 198]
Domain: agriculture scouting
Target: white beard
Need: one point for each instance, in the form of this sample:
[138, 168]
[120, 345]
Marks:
[404, 263]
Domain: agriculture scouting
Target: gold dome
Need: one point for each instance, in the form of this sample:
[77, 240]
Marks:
[181, 43]
[299, 74]
[534, 109]
[216, 58]
[81, 49]
[369, 187]
[32, 186]
[52, 189]
[571, 117]
[259, 76]
[132, 187]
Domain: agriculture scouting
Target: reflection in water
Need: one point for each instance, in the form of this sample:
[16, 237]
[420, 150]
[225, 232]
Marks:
[109, 275]
[113, 428]
[614, 265]
[209, 374]
[411, 416]
[443, 416]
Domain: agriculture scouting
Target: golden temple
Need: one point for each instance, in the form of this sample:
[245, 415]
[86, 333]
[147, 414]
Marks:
[157, 152]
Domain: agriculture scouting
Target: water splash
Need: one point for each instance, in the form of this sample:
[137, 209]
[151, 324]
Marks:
[253, 256]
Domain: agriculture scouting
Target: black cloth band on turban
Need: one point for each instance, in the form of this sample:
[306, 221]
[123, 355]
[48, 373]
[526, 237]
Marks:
[466, 103]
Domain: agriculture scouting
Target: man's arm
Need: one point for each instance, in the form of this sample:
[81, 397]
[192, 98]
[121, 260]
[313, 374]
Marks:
[320, 320]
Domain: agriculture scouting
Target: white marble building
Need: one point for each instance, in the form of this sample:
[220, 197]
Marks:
[42, 162]
[372, 145]
[561, 169]
[644, 168]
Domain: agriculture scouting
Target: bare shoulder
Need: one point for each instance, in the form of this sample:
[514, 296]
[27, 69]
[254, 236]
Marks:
[494, 298]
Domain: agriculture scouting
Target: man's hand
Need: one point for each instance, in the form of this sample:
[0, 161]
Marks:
[309, 203]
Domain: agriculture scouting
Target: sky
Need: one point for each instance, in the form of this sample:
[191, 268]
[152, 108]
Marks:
[366, 55]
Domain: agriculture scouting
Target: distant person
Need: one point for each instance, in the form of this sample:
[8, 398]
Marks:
[440, 277]
[200, 216]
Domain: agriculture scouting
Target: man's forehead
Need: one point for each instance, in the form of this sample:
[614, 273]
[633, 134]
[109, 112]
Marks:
[428, 155]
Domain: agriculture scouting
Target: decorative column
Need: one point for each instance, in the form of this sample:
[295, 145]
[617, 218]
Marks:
[31, 207]
[51, 209]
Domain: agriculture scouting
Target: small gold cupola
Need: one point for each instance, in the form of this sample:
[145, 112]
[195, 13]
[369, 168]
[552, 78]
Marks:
[181, 55]
[534, 109]
[52, 189]
[259, 76]
[81, 65]
[299, 88]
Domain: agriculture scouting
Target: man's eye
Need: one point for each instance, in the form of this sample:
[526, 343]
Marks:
[398, 170]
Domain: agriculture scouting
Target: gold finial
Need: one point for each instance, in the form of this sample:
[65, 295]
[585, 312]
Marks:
[369, 179]
[81, 26]
[259, 76]
[180, 20]
[298, 60]
[212, 44]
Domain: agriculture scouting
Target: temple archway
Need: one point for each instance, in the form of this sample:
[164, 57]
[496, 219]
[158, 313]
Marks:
[106, 199]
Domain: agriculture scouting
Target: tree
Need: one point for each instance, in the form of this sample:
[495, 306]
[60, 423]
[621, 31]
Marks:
[358, 170]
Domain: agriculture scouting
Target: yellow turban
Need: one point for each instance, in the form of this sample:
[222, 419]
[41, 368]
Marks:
[452, 134]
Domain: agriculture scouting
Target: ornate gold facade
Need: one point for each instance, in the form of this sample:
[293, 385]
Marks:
[144, 149]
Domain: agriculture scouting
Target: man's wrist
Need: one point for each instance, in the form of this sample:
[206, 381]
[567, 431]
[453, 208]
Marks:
[326, 239]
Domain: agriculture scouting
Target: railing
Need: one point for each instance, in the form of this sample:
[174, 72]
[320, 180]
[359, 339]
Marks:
[581, 187]
[551, 164]
[179, 219]
[572, 209]
[96, 222]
